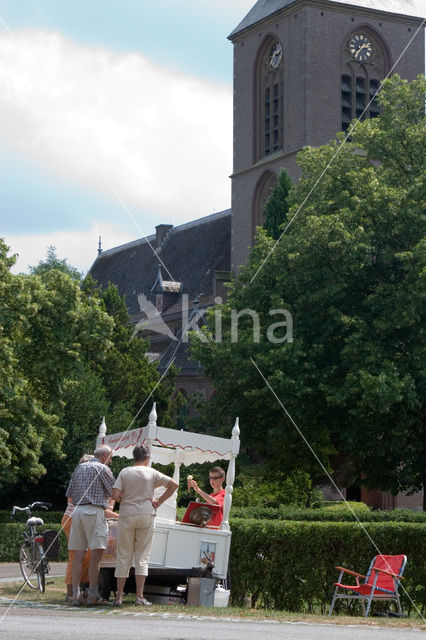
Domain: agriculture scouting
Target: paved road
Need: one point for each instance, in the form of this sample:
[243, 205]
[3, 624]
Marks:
[40, 624]
[10, 571]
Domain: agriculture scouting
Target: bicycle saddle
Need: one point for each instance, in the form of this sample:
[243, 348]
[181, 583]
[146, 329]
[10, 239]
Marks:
[34, 522]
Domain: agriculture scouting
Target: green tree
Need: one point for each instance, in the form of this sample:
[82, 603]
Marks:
[66, 360]
[63, 329]
[53, 262]
[127, 374]
[28, 429]
[351, 270]
[276, 209]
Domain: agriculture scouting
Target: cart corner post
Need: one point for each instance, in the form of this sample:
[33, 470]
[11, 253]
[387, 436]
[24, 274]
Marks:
[230, 476]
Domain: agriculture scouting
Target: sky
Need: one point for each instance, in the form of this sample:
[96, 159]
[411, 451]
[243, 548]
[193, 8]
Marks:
[115, 116]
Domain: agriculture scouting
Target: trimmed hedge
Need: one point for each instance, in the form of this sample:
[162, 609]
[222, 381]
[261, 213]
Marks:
[21, 516]
[328, 514]
[291, 565]
[333, 513]
[11, 538]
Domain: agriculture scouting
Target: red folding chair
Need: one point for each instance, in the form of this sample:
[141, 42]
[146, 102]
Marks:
[380, 583]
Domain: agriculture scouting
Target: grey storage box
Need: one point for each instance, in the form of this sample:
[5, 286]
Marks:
[201, 591]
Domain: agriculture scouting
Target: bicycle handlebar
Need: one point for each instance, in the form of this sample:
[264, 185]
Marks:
[31, 507]
[41, 505]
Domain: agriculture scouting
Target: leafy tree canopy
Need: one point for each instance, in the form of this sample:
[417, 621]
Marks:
[53, 262]
[28, 429]
[277, 206]
[351, 271]
[67, 359]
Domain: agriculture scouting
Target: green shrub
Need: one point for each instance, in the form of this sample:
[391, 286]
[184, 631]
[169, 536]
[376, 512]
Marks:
[20, 516]
[339, 513]
[11, 538]
[291, 565]
[357, 507]
[295, 490]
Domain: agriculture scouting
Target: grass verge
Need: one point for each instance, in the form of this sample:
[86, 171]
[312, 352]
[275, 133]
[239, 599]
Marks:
[55, 595]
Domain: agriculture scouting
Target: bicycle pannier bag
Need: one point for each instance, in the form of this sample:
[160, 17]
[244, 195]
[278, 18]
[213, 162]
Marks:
[51, 544]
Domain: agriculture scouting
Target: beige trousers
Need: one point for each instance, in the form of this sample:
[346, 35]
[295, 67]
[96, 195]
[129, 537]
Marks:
[134, 536]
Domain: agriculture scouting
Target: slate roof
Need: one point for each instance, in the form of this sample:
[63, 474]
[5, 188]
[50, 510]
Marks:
[265, 8]
[191, 252]
[178, 350]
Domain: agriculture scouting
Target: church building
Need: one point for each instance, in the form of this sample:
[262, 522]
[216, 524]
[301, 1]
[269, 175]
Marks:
[303, 70]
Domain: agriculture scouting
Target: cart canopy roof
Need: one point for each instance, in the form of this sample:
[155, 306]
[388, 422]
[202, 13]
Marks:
[172, 445]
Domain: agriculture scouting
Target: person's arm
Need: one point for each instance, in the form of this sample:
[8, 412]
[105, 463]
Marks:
[109, 511]
[115, 497]
[171, 488]
[203, 494]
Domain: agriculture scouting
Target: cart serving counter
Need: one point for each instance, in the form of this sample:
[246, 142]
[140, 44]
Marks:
[180, 549]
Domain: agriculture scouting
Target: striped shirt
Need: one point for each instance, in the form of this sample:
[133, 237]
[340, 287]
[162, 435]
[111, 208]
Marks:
[69, 510]
[91, 483]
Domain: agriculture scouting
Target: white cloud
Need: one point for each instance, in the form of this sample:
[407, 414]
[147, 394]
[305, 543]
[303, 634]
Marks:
[111, 121]
[78, 247]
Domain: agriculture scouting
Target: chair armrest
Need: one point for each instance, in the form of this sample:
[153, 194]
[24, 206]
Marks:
[351, 573]
[389, 573]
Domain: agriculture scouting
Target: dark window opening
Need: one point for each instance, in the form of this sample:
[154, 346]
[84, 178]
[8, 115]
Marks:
[346, 101]
[374, 107]
[356, 104]
[267, 120]
[360, 97]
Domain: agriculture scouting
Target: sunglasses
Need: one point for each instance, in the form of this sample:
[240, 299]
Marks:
[215, 477]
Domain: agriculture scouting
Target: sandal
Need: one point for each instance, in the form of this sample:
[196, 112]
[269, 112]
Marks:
[117, 603]
[98, 602]
[142, 602]
[78, 602]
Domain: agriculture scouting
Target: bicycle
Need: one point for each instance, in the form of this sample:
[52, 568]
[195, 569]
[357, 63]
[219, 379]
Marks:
[32, 558]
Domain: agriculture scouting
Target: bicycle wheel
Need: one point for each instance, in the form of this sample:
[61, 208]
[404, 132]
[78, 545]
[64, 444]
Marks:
[41, 569]
[27, 564]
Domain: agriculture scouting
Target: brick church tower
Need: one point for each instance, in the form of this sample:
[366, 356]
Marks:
[303, 69]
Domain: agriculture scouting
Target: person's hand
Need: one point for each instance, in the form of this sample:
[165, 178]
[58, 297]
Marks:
[156, 504]
[193, 484]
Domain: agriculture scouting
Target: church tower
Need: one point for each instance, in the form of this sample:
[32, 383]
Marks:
[303, 69]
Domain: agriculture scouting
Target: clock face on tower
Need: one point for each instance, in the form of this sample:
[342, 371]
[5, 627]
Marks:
[275, 55]
[360, 47]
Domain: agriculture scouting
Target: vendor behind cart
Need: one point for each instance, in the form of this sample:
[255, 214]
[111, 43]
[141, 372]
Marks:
[216, 478]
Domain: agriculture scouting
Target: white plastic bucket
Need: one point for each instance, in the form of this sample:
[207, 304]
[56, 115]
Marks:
[221, 597]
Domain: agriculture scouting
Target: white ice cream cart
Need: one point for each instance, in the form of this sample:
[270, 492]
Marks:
[181, 551]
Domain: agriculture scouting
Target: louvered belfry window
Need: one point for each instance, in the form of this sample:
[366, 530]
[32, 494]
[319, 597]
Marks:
[360, 82]
[271, 100]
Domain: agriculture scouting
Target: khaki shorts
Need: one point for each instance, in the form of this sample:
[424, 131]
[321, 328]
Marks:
[89, 529]
[134, 541]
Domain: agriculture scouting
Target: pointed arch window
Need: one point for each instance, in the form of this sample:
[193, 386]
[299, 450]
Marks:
[263, 191]
[365, 62]
[270, 99]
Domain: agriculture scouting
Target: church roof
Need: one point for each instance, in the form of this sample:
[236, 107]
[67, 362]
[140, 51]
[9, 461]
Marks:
[191, 253]
[265, 8]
